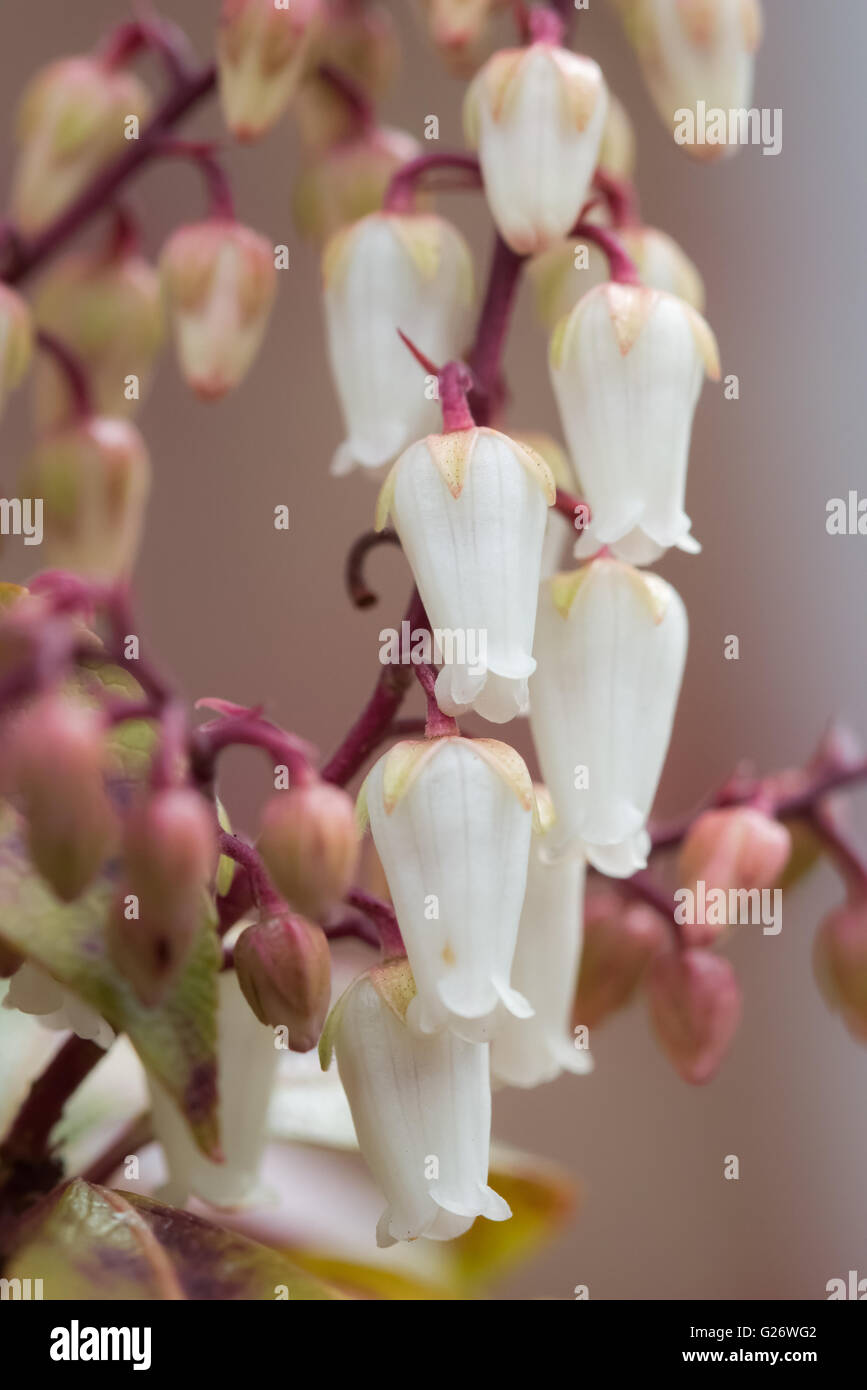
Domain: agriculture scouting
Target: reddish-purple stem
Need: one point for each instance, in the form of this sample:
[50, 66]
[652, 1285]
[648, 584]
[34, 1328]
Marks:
[400, 194]
[72, 369]
[621, 266]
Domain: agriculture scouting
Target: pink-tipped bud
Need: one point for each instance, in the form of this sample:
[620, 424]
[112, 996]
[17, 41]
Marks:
[220, 281]
[695, 1009]
[108, 310]
[170, 853]
[457, 28]
[736, 848]
[262, 52]
[284, 968]
[93, 478]
[59, 760]
[309, 842]
[73, 117]
[348, 181]
[620, 941]
[16, 341]
[840, 964]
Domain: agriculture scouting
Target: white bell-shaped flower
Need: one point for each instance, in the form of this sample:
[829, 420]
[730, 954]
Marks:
[611, 645]
[246, 1070]
[391, 271]
[627, 366]
[421, 1108]
[530, 1051]
[470, 508]
[451, 819]
[560, 533]
[536, 116]
[696, 53]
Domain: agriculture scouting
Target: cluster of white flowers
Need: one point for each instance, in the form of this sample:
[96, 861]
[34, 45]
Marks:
[485, 871]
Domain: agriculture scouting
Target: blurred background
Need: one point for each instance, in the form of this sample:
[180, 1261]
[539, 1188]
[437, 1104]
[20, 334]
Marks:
[234, 608]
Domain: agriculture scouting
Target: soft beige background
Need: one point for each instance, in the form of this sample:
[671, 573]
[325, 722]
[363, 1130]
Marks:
[237, 609]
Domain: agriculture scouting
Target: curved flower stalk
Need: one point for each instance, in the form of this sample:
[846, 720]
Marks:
[220, 282]
[528, 1052]
[357, 39]
[247, 1063]
[108, 310]
[387, 272]
[421, 1108]
[451, 820]
[262, 52]
[71, 121]
[536, 116]
[627, 366]
[564, 273]
[696, 51]
[470, 508]
[32, 991]
[611, 645]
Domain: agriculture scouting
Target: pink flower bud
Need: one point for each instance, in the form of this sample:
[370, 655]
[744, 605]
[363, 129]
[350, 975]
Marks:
[16, 341]
[284, 968]
[73, 117]
[695, 1009]
[262, 50]
[840, 964]
[348, 181]
[59, 760]
[108, 310]
[170, 854]
[620, 941]
[457, 28]
[94, 478]
[221, 282]
[309, 842]
[735, 848]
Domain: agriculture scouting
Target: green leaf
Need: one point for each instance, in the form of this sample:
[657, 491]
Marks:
[86, 1242]
[177, 1041]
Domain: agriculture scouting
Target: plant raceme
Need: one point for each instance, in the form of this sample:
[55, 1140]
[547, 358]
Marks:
[212, 952]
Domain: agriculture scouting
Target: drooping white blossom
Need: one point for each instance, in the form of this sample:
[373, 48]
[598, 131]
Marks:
[696, 53]
[627, 366]
[246, 1068]
[391, 271]
[528, 1052]
[536, 115]
[611, 645]
[451, 819]
[470, 508]
[421, 1108]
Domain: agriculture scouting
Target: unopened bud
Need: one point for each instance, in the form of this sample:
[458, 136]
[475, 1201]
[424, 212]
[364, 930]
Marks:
[262, 51]
[840, 964]
[72, 119]
[94, 479]
[346, 182]
[617, 150]
[357, 39]
[309, 842]
[59, 760]
[457, 27]
[16, 341]
[108, 311]
[620, 941]
[170, 854]
[284, 968]
[736, 848]
[695, 1009]
[221, 282]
